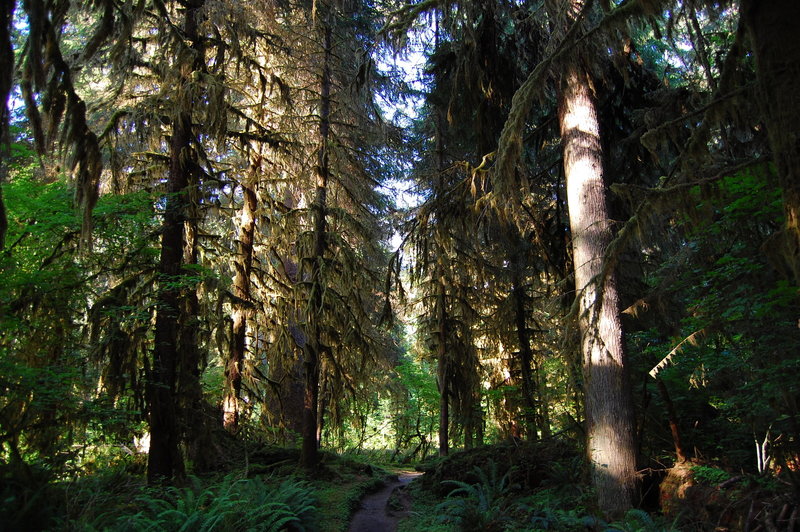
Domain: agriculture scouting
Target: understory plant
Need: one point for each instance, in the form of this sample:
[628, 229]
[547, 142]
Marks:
[233, 504]
[486, 505]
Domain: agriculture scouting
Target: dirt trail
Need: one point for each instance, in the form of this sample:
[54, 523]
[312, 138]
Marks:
[374, 516]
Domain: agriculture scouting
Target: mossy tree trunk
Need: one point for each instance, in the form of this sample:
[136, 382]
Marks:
[524, 340]
[314, 348]
[164, 460]
[442, 371]
[6, 74]
[241, 290]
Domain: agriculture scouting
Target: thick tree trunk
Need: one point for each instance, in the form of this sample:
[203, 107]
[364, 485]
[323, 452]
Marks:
[241, 289]
[469, 429]
[288, 398]
[324, 397]
[772, 28]
[609, 410]
[315, 346]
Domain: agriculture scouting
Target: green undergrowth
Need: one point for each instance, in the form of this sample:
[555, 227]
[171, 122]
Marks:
[267, 492]
[341, 486]
[230, 504]
[526, 487]
[544, 487]
[423, 514]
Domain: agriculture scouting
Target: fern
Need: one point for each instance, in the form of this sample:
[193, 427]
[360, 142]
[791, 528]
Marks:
[484, 505]
[232, 504]
[639, 521]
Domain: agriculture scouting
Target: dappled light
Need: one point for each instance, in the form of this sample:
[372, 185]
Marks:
[359, 266]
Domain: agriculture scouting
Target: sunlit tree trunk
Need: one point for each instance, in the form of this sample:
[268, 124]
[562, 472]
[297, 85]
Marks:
[609, 412]
[241, 289]
[322, 403]
[772, 27]
[314, 347]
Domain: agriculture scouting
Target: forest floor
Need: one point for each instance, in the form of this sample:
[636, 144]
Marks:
[382, 510]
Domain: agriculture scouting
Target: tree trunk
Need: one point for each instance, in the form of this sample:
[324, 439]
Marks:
[6, 75]
[193, 414]
[469, 429]
[609, 410]
[442, 374]
[241, 289]
[286, 403]
[442, 369]
[525, 352]
[324, 397]
[543, 412]
[772, 28]
[314, 347]
[164, 459]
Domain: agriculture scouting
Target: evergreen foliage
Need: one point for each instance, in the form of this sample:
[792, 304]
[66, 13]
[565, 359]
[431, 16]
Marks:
[196, 222]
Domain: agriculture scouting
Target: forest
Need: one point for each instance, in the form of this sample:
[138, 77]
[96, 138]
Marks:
[261, 259]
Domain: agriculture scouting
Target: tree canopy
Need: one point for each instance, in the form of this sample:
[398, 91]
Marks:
[400, 229]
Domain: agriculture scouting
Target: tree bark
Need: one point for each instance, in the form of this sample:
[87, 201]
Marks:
[6, 75]
[609, 411]
[164, 459]
[442, 369]
[772, 28]
[315, 346]
[288, 398]
[241, 289]
[525, 352]
[193, 414]
[442, 375]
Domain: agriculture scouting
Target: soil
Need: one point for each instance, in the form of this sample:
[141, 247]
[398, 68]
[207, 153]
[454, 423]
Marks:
[376, 514]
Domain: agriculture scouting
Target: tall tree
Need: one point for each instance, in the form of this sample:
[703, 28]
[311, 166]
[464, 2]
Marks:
[609, 409]
[6, 72]
[772, 31]
[164, 460]
[242, 305]
[315, 347]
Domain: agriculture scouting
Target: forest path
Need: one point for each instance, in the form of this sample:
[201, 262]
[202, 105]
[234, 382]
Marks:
[374, 515]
